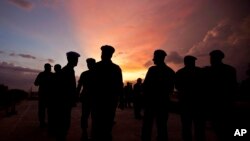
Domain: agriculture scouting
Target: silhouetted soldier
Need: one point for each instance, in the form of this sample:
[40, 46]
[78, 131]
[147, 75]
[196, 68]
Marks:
[53, 98]
[43, 80]
[188, 84]
[121, 103]
[158, 85]
[222, 88]
[68, 95]
[109, 86]
[57, 68]
[138, 98]
[242, 107]
[86, 83]
[128, 95]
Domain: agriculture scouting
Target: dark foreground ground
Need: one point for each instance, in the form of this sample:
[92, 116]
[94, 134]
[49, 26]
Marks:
[25, 126]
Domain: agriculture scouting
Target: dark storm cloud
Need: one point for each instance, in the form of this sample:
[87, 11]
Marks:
[16, 76]
[174, 57]
[24, 4]
[12, 67]
[28, 56]
[51, 60]
[148, 64]
[233, 38]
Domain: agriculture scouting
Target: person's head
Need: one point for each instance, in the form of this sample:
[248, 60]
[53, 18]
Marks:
[90, 63]
[139, 80]
[72, 58]
[47, 67]
[159, 56]
[216, 57]
[189, 61]
[107, 52]
[57, 68]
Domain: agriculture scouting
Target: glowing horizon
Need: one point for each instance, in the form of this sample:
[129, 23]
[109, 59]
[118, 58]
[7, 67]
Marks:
[42, 31]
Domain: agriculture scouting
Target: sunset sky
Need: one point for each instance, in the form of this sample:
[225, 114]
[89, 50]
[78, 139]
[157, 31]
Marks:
[34, 32]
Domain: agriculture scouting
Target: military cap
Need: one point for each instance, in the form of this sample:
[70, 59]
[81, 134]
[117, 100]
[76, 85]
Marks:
[89, 60]
[72, 54]
[217, 54]
[108, 49]
[189, 58]
[160, 53]
[47, 65]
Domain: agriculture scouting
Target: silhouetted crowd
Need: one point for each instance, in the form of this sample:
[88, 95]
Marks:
[204, 94]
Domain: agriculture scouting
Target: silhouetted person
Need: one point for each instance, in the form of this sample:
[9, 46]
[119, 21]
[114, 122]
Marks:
[109, 86]
[53, 98]
[86, 83]
[138, 98]
[157, 86]
[242, 107]
[121, 103]
[68, 95]
[57, 68]
[188, 84]
[128, 95]
[221, 85]
[43, 80]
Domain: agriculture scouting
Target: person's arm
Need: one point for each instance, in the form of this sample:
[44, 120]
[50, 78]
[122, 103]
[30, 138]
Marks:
[79, 86]
[37, 81]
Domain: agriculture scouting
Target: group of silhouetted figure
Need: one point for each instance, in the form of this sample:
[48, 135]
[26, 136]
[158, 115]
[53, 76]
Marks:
[203, 93]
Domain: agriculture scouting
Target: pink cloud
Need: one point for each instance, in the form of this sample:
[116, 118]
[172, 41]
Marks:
[134, 27]
[17, 76]
[24, 4]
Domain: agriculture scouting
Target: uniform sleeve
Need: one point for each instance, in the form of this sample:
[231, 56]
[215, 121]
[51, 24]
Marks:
[79, 85]
[38, 81]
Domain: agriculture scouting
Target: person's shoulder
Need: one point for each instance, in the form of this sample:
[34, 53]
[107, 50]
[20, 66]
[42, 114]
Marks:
[83, 73]
[181, 70]
[229, 68]
[116, 66]
[170, 69]
[152, 68]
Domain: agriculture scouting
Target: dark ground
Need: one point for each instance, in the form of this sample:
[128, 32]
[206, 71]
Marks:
[25, 126]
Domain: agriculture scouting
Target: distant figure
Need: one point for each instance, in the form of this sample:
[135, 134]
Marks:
[138, 98]
[221, 84]
[57, 68]
[86, 83]
[188, 84]
[158, 85]
[128, 94]
[68, 95]
[109, 87]
[53, 97]
[43, 80]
